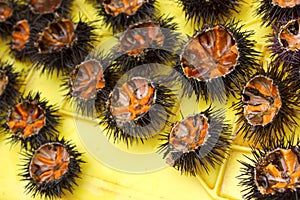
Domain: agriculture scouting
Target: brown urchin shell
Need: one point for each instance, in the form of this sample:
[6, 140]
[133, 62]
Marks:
[132, 100]
[5, 11]
[44, 6]
[86, 79]
[140, 36]
[116, 7]
[261, 100]
[26, 119]
[277, 171]
[188, 134]
[3, 82]
[289, 35]
[49, 162]
[286, 3]
[210, 54]
[20, 35]
[56, 36]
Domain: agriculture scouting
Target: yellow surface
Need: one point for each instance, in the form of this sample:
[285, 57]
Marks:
[99, 181]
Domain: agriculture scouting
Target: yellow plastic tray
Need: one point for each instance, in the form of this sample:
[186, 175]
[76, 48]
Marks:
[103, 179]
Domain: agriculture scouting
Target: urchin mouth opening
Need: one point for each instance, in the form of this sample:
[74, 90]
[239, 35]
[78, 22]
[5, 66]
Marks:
[210, 54]
[261, 101]
[26, 119]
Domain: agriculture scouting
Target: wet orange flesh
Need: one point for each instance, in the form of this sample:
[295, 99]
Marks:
[290, 33]
[210, 54]
[20, 35]
[129, 7]
[27, 124]
[87, 83]
[286, 3]
[137, 106]
[143, 45]
[267, 111]
[280, 177]
[194, 138]
[49, 41]
[49, 164]
[3, 83]
[5, 11]
[46, 6]
[142, 36]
